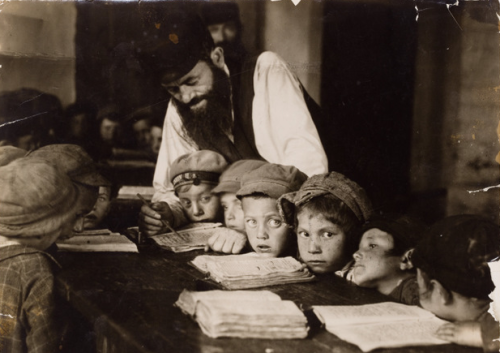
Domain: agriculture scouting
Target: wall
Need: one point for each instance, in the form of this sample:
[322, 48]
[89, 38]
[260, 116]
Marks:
[37, 47]
[457, 107]
[295, 33]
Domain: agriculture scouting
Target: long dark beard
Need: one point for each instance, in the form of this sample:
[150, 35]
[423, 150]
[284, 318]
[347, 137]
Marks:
[206, 127]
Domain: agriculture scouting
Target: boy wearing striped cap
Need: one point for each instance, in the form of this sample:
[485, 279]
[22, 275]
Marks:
[194, 175]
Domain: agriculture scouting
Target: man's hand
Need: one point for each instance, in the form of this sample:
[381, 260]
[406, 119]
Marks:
[151, 216]
[466, 333]
[227, 241]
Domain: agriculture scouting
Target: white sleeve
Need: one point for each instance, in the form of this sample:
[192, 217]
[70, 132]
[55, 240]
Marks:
[173, 145]
[284, 130]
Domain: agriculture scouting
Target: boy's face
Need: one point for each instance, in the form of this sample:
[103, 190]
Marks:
[321, 242]
[156, 136]
[430, 299]
[233, 213]
[142, 131]
[75, 224]
[374, 264]
[266, 231]
[200, 204]
[100, 210]
[109, 130]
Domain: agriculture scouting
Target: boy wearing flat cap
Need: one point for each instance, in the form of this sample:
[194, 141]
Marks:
[38, 205]
[326, 212]
[267, 232]
[73, 161]
[257, 113]
[232, 239]
[454, 278]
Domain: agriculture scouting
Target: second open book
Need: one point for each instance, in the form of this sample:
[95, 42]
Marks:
[383, 325]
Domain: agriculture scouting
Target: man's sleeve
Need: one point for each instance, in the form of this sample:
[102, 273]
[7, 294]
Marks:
[284, 130]
[172, 147]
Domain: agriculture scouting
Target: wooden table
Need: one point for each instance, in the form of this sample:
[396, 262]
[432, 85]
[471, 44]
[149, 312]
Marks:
[128, 301]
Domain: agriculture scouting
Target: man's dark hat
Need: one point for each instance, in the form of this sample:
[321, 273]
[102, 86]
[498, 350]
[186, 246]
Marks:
[456, 251]
[173, 44]
[219, 12]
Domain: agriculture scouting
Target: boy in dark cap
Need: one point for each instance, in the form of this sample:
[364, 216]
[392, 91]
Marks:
[383, 260]
[326, 213]
[257, 113]
[267, 232]
[454, 278]
[38, 205]
[233, 238]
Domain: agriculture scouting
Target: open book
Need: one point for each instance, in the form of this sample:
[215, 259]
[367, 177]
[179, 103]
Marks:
[384, 325]
[252, 270]
[245, 314]
[100, 240]
[192, 237]
[188, 299]
[130, 192]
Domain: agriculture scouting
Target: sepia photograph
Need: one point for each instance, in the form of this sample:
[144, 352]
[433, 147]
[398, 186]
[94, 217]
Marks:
[249, 176]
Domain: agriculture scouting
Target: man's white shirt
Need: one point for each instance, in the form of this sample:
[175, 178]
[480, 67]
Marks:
[283, 128]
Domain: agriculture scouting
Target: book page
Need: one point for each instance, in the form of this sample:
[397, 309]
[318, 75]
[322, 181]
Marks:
[262, 309]
[113, 242]
[188, 299]
[131, 191]
[342, 315]
[94, 232]
[201, 261]
[417, 332]
[253, 267]
[195, 236]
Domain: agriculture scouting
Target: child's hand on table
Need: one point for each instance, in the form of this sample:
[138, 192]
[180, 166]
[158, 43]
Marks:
[466, 333]
[150, 218]
[227, 241]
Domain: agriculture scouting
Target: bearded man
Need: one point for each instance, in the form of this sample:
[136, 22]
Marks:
[258, 113]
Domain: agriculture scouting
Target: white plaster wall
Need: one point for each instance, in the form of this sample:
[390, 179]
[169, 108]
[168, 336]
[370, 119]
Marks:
[295, 33]
[37, 47]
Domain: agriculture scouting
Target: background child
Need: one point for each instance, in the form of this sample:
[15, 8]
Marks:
[38, 204]
[233, 238]
[98, 217]
[194, 175]
[326, 212]
[267, 232]
[383, 260]
[454, 278]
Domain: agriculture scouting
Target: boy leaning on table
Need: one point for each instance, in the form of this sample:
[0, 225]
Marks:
[38, 205]
[232, 239]
[268, 233]
[454, 278]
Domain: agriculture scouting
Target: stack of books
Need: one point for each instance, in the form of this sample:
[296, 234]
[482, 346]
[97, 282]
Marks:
[251, 270]
[259, 314]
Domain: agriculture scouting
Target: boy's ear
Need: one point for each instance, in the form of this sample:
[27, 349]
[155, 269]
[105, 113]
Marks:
[445, 296]
[406, 263]
[217, 56]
